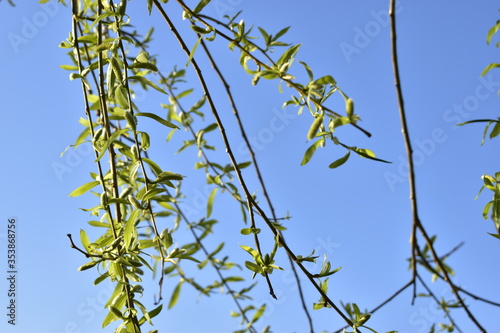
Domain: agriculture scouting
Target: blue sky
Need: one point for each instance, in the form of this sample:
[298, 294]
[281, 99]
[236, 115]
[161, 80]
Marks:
[359, 214]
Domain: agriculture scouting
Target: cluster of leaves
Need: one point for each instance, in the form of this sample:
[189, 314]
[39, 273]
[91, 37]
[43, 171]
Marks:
[491, 182]
[136, 186]
[112, 62]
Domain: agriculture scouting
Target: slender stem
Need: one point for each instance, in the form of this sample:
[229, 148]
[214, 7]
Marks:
[446, 311]
[86, 254]
[416, 224]
[303, 93]
[206, 91]
[257, 170]
[238, 172]
[390, 298]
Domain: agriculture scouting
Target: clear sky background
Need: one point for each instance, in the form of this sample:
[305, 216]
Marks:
[359, 214]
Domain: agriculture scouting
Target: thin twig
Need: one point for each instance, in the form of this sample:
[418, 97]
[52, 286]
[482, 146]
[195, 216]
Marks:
[238, 172]
[206, 91]
[446, 311]
[303, 93]
[390, 298]
[257, 170]
[86, 254]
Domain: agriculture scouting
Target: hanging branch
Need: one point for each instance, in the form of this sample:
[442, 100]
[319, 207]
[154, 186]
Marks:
[257, 170]
[141, 161]
[433, 296]
[390, 298]
[303, 93]
[206, 91]
[416, 224]
[249, 197]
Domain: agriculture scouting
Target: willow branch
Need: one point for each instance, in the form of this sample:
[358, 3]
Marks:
[390, 298]
[446, 311]
[303, 93]
[238, 172]
[416, 224]
[258, 172]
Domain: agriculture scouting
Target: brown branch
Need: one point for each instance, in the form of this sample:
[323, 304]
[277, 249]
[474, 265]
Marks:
[257, 170]
[86, 254]
[238, 172]
[446, 312]
[303, 93]
[416, 224]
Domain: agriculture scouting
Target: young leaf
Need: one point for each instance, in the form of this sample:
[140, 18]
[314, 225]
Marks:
[210, 201]
[340, 161]
[200, 6]
[157, 118]
[155, 167]
[175, 295]
[84, 239]
[146, 81]
[84, 188]
[310, 152]
[368, 154]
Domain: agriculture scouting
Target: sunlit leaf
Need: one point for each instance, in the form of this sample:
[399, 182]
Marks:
[84, 188]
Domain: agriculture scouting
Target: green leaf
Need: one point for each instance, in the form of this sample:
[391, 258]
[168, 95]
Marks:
[69, 67]
[496, 130]
[210, 201]
[340, 161]
[152, 192]
[248, 231]
[193, 50]
[325, 80]
[494, 235]
[155, 167]
[101, 17]
[318, 306]
[259, 313]
[288, 54]
[254, 267]
[84, 239]
[84, 188]
[157, 118]
[145, 140]
[130, 232]
[281, 33]
[121, 97]
[200, 6]
[101, 278]
[492, 31]
[310, 152]
[368, 154]
[489, 67]
[143, 57]
[98, 224]
[88, 265]
[251, 251]
[110, 140]
[146, 81]
[175, 295]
